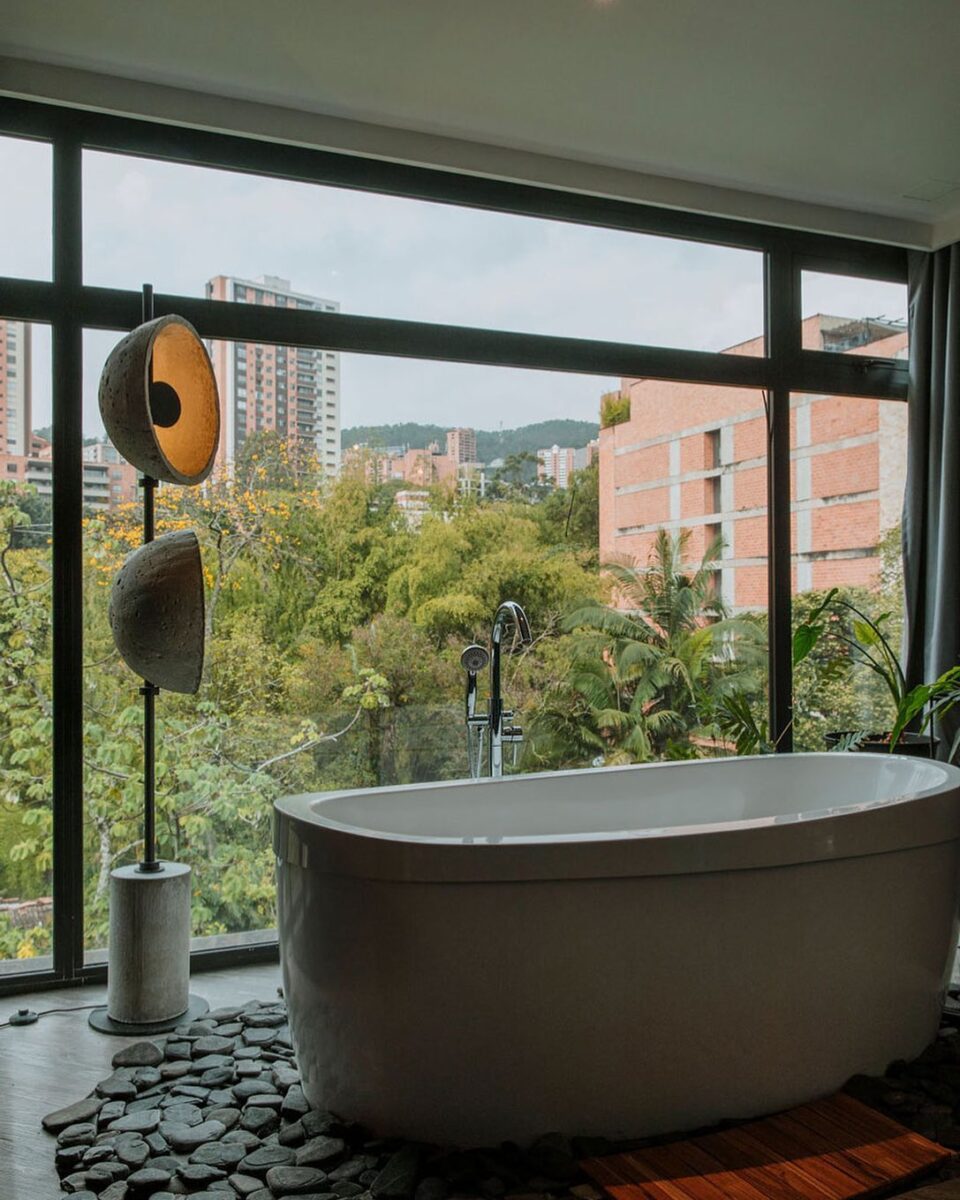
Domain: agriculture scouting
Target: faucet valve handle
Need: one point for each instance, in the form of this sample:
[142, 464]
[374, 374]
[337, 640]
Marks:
[512, 733]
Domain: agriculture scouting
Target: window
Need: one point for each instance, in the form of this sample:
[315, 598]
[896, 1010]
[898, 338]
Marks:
[26, 764]
[847, 315]
[26, 249]
[394, 257]
[682, 454]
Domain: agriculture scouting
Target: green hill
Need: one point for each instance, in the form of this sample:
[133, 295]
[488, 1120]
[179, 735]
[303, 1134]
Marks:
[490, 443]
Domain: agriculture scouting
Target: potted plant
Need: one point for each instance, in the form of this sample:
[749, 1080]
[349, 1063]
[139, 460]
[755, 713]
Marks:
[869, 646]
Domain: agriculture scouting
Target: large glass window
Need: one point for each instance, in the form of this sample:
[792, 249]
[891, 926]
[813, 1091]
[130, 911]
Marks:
[386, 256]
[369, 512]
[26, 697]
[844, 314]
[848, 468]
[26, 208]
[683, 510]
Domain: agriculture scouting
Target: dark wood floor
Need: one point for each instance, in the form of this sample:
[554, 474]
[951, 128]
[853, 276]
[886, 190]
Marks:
[59, 1059]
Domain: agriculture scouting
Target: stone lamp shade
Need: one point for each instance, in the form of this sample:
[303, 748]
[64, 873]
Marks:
[156, 611]
[159, 401]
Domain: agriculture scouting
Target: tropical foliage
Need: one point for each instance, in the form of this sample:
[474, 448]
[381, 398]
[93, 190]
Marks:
[334, 629]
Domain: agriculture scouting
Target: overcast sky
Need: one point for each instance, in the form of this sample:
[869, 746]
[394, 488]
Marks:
[176, 226]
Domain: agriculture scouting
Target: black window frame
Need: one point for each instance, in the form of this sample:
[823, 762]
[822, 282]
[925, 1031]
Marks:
[69, 306]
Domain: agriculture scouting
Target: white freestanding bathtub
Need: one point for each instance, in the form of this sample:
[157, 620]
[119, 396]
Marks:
[619, 952]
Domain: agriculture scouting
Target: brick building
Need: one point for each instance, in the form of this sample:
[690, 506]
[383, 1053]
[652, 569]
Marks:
[292, 390]
[692, 457]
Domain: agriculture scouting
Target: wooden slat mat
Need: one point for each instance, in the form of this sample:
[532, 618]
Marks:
[829, 1150]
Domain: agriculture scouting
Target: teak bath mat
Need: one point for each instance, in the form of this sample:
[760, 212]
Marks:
[833, 1149]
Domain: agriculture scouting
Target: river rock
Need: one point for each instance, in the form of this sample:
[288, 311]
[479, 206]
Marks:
[140, 1054]
[118, 1191]
[226, 1115]
[260, 1161]
[284, 1077]
[242, 1137]
[111, 1111]
[212, 1044]
[80, 1134]
[150, 1179]
[181, 1114]
[199, 1174]
[227, 1013]
[206, 1062]
[243, 1185]
[320, 1150]
[117, 1087]
[259, 1037]
[80, 1113]
[185, 1138]
[252, 1087]
[261, 1121]
[134, 1154]
[219, 1154]
[399, 1177]
[294, 1102]
[293, 1181]
[137, 1122]
[218, 1076]
[264, 1020]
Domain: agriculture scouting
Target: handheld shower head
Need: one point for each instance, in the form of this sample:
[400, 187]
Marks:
[474, 658]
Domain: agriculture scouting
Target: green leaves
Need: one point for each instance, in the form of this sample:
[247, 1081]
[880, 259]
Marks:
[808, 633]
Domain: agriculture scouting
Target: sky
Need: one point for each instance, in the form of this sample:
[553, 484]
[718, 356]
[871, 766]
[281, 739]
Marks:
[176, 226]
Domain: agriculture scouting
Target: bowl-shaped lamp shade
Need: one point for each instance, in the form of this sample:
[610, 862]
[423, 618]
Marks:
[156, 611]
[159, 401]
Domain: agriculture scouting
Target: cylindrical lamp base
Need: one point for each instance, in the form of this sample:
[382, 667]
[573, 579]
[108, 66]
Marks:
[148, 974]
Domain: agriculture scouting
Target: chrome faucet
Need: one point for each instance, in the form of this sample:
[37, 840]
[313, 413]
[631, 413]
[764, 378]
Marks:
[492, 727]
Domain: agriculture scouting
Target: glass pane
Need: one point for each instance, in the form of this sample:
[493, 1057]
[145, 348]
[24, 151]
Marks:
[26, 767]
[390, 257]
[683, 483]
[845, 315]
[26, 209]
[848, 473]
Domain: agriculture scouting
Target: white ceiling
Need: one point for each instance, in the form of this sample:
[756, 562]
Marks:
[836, 114]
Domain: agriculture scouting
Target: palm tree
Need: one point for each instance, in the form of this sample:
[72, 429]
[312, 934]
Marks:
[647, 676]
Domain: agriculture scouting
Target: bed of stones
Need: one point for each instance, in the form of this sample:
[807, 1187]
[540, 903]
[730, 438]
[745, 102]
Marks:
[217, 1111]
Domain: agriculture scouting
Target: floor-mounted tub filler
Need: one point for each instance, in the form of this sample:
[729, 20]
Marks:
[619, 952]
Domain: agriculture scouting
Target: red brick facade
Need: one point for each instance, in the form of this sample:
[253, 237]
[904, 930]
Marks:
[692, 457]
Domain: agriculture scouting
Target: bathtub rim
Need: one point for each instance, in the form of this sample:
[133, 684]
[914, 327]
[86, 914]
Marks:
[305, 838]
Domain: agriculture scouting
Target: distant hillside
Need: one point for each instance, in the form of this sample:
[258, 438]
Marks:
[490, 443]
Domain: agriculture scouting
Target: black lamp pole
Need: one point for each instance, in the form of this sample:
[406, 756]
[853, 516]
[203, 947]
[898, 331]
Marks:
[149, 690]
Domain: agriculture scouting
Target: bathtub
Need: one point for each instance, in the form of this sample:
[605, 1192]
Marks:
[621, 952]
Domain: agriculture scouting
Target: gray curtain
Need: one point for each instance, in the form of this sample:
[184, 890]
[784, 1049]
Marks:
[931, 509]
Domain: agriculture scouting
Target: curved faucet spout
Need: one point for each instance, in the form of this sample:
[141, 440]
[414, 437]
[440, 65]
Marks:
[510, 610]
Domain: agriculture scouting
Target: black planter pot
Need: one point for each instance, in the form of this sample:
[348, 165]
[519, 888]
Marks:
[914, 745]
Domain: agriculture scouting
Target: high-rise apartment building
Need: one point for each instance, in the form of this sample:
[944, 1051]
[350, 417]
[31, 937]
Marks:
[556, 465]
[15, 415]
[693, 457]
[462, 445]
[288, 389]
[101, 460]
